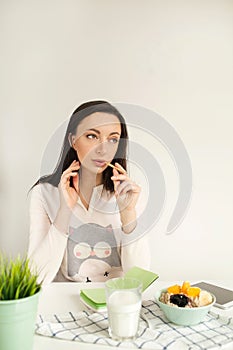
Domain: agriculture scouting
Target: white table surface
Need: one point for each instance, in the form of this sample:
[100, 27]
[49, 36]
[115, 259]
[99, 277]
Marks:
[64, 297]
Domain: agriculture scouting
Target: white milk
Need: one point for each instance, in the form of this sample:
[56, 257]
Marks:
[123, 314]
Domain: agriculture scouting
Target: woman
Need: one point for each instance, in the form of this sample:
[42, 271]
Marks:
[83, 217]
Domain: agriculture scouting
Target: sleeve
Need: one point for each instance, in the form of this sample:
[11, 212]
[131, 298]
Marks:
[136, 253]
[46, 243]
[135, 248]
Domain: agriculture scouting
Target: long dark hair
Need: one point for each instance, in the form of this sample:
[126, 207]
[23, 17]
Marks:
[68, 153]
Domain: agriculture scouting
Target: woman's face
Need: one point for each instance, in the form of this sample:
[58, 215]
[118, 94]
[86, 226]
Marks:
[96, 140]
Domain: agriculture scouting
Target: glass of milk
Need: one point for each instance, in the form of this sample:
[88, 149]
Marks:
[124, 300]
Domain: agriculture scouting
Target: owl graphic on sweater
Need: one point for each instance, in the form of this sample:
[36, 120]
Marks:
[92, 253]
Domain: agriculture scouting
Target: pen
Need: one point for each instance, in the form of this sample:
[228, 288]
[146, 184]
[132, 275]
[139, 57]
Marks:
[114, 167]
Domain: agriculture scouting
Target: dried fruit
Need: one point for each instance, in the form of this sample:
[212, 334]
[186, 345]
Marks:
[185, 286]
[186, 295]
[174, 289]
[193, 291]
[180, 300]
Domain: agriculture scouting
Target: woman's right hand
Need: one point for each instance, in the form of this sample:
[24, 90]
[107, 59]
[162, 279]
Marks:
[70, 194]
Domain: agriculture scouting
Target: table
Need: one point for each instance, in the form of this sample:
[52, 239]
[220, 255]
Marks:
[64, 297]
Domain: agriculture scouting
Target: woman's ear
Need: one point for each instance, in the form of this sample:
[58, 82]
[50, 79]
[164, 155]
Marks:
[71, 140]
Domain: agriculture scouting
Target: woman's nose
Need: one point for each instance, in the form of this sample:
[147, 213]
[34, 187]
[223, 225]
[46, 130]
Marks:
[101, 148]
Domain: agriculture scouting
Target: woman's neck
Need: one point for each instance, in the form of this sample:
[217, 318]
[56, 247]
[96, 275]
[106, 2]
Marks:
[87, 181]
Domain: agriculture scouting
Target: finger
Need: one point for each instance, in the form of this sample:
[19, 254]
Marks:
[68, 172]
[71, 172]
[127, 186]
[123, 188]
[116, 183]
[76, 183]
[120, 168]
[131, 188]
[66, 177]
[74, 165]
[115, 172]
[119, 177]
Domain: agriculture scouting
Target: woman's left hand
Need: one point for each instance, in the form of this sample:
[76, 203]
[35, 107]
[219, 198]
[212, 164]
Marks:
[126, 191]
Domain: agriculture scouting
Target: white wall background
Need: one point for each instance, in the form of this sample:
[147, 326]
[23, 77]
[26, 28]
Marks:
[174, 57]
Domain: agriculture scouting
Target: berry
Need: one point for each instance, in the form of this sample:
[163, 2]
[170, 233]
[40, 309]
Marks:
[179, 299]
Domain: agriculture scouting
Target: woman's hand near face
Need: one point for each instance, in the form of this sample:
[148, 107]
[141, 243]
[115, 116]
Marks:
[70, 194]
[127, 194]
[126, 191]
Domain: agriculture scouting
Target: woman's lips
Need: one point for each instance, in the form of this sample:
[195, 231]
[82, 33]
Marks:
[99, 162]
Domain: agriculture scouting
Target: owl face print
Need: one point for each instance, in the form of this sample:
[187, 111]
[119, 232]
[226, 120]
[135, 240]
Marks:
[92, 252]
[100, 250]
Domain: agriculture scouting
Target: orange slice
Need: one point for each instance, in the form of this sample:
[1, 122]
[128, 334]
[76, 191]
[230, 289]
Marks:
[193, 291]
[185, 287]
[174, 289]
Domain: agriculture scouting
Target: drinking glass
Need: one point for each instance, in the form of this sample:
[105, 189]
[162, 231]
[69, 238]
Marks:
[124, 301]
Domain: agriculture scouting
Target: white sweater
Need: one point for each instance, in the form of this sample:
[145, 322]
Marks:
[94, 248]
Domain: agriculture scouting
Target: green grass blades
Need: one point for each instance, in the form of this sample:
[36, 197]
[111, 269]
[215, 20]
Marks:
[16, 279]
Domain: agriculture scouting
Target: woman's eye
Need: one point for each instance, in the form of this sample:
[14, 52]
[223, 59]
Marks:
[91, 136]
[114, 140]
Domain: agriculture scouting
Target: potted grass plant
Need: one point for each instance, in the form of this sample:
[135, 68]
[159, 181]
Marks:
[19, 293]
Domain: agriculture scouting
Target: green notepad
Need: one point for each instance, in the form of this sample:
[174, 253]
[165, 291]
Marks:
[145, 276]
[95, 297]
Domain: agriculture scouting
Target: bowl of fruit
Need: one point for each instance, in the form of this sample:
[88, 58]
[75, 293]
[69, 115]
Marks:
[183, 304]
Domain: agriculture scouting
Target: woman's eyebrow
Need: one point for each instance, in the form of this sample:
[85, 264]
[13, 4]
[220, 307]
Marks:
[98, 132]
[95, 130]
[115, 133]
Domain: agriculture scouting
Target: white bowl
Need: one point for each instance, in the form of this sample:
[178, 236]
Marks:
[182, 315]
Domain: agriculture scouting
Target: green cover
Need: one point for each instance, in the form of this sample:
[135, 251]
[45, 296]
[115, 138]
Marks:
[96, 298]
[146, 277]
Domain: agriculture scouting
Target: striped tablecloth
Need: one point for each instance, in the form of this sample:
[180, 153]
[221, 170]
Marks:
[155, 332]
